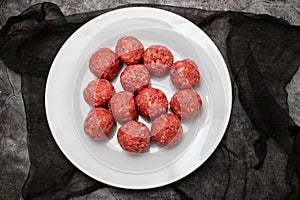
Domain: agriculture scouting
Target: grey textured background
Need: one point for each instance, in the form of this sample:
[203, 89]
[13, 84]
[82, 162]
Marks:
[14, 158]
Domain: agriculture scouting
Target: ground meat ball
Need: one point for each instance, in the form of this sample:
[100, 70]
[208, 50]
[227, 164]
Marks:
[98, 123]
[129, 49]
[166, 130]
[158, 59]
[122, 106]
[134, 78]
[104, 63]
[98, 92]
[184, 74]
[186, 103]
[151, 103]
[134, 137]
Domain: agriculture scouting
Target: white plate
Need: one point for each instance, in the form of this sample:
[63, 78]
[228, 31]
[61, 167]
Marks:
[106, 161]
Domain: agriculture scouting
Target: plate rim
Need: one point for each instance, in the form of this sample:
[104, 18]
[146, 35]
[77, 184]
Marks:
[186, 172]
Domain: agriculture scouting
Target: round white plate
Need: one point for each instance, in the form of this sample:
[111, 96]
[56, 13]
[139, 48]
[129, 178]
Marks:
[106, 161]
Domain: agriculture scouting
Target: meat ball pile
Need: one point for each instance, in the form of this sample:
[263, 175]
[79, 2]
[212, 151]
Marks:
[138, 97]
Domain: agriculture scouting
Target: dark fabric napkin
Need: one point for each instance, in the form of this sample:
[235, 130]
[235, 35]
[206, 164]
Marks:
[259, 156]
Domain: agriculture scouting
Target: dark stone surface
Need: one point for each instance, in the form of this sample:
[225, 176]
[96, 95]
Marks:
[285, 9]
[258, 157]
[14, 159]
[293, 91]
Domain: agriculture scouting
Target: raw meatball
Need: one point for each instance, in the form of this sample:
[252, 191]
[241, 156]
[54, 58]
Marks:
[158, 59]
[98, 92]
[134, 78]
[104, 63]
[134, 137]
[98, 123]
[122, 106]
[151, 103]
[129, 49]
[186, 103]
[166, 130]
[184, 74]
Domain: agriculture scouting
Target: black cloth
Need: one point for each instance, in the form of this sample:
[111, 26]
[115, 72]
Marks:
[259, 156]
